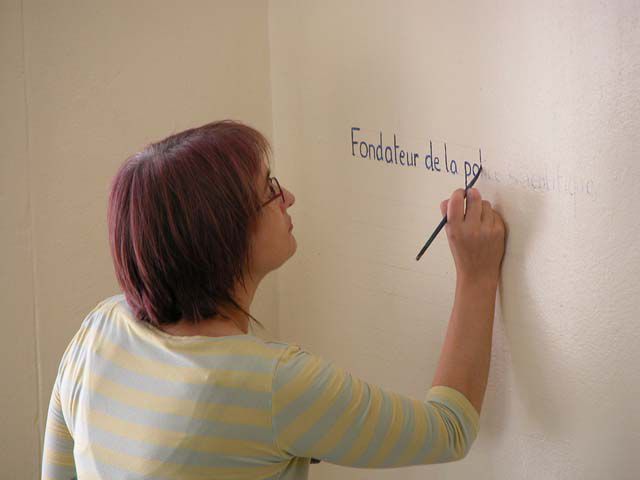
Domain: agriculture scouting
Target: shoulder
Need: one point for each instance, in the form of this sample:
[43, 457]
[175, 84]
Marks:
[284, 351]
[105, 307]
[114, 301]
[77, 344]
[289, 360]
[296, 364]
[94, 319]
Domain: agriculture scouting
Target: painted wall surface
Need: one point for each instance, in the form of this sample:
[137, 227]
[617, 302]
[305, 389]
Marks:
[550, 92]
[83, 86]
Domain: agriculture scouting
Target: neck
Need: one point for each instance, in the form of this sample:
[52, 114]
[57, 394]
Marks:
[237, 322]
[244, 298]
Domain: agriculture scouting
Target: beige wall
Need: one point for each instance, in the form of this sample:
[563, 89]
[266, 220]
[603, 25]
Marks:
[544, 88]
[84, 85]
[18, 346]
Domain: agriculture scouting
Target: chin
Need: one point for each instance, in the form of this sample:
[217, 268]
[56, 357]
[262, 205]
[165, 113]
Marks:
[291, 250]
[294, 242]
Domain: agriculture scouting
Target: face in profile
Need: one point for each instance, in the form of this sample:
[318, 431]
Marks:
[273, 243]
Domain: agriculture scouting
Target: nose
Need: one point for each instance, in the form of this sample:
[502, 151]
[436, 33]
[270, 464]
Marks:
[289, 198]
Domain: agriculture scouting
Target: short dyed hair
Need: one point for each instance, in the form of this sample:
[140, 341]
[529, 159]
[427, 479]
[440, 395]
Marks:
[180, 216]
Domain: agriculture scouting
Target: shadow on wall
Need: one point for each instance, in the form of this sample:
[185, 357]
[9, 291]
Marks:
[522, 348]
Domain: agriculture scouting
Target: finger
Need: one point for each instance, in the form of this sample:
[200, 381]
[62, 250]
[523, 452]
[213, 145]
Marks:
[443, 207]
[474, 206]
[455, 209]
[487, 213]
[499, 220]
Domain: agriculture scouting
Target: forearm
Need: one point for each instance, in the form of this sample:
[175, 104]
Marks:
[466, 352]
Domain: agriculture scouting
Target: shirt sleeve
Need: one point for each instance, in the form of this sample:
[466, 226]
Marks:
[57, 456]
[321, 411]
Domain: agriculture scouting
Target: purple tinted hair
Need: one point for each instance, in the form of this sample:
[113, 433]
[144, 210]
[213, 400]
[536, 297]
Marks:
[180, 216]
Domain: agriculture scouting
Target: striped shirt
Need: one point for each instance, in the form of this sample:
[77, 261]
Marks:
[131, 401]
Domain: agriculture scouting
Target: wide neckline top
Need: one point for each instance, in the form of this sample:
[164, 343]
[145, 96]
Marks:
[147, 327]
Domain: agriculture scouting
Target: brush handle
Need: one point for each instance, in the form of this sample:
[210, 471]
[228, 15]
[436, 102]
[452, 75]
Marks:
[443, 222]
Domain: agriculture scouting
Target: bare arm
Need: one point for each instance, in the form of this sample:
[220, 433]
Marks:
[477, 242]
[466, 352]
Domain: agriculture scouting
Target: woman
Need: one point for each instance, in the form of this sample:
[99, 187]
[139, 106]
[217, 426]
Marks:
[165, 381]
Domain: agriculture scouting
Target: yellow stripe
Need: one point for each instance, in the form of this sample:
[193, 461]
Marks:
[367, 429]
[451, 396]
[260, 382]
[60, 429]
[315, 410]
[393, 432]
[440, 435]
[179, 440]
[300, 384]
[178, 406]
[418, 438]
[459, 446]
[56, 457]
[340, 427]
[171, 470]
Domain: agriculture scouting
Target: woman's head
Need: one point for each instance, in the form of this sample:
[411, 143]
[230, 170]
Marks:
[190, 222]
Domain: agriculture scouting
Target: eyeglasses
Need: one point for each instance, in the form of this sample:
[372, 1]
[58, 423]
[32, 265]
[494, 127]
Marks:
[276, 191]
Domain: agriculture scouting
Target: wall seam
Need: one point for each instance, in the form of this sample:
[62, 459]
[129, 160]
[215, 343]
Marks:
[36, 329]
[273, 143]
